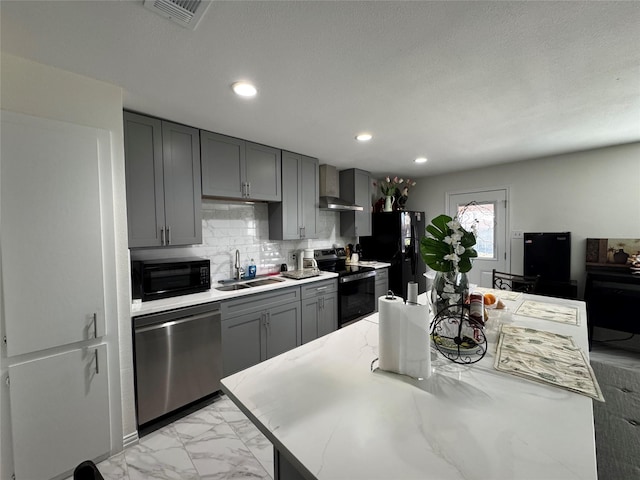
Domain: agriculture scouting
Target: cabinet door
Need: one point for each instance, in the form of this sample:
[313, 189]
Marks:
[242, 339]
[310, 317]
[290, 206]
[59, 412]
[328, 319]
[263, 166]
[144, 174]
[223, 165]
[283, 329]
[182, 194]
[308, 188]
[382, 284]
[52, 232]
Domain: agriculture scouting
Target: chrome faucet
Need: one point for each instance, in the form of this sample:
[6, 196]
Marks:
[239, 270]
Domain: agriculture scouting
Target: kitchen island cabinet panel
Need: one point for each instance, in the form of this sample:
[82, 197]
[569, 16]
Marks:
[162, 162]
[60, 411]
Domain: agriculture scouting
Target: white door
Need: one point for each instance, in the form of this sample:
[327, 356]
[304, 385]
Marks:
[52, 265]
[488, 210]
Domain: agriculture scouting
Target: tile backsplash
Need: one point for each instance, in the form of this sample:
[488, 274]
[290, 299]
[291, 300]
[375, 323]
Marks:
[227, 226]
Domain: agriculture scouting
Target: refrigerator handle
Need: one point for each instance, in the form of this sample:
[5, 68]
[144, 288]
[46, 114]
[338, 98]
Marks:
[414, 254]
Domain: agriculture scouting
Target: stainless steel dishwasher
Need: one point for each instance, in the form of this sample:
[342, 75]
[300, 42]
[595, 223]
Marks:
[178, 359]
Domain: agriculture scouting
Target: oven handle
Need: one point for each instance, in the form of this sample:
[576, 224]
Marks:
[357, 276]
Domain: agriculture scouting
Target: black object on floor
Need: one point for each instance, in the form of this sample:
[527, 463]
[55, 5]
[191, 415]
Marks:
[87, 470]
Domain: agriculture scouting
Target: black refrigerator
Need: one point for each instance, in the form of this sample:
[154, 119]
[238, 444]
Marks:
[395, 239]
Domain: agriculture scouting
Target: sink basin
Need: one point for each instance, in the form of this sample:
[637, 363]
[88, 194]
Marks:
[264, 281]
[235, 286]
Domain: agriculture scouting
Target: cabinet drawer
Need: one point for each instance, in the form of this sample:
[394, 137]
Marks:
[259, 301]
[319, 288]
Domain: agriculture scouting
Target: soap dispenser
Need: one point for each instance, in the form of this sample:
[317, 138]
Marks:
[252, 269]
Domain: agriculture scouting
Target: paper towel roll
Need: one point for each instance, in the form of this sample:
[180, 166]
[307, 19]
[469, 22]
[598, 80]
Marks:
[412, 292]
[415, 357]
[389, 334]
[403, 338]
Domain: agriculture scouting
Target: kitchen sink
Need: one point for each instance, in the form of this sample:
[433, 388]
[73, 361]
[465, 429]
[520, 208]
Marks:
[235, 286]
[264, 281]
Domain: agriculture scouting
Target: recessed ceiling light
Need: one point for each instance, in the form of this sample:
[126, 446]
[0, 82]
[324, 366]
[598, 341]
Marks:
[364, 137]
[421, 160]
[244, 89]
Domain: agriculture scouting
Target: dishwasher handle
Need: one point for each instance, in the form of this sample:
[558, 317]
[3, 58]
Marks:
[171, 323]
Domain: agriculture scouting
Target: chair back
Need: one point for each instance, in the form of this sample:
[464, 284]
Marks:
[515, 283]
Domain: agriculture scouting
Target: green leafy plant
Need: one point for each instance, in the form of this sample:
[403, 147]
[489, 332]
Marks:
[450, 246]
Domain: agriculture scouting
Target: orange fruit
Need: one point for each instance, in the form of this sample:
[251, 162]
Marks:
[489, 299]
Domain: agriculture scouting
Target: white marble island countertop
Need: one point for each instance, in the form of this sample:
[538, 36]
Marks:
[332, 418]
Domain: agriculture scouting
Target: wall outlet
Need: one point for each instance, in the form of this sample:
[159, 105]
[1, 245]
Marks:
[519, 234]
[293, 256]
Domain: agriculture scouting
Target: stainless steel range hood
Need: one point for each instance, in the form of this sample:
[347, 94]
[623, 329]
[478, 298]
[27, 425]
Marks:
[330, 192]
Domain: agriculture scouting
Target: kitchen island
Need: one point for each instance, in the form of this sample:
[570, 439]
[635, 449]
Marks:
[330, 417]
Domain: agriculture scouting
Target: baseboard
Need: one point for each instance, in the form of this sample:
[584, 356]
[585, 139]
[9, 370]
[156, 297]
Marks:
[129, 440]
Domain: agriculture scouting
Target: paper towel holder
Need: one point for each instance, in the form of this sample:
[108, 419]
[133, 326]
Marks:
[390, 295]
[457, 336]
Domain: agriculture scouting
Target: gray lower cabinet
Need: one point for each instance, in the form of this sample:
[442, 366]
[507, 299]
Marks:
[260, 326]
[355, 187]
[296, 217]
[382, 283]
[319, 309]
[162, 163]
[236, 168]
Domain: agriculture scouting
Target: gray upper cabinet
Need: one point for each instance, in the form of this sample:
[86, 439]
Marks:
[296, 217]
[235, 168]
[355, 186]
[223, 165]
[162, 161]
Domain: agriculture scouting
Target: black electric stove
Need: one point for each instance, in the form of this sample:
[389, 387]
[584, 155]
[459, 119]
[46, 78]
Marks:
[356, 285]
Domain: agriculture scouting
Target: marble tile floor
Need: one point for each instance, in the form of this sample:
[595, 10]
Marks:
[214, 443]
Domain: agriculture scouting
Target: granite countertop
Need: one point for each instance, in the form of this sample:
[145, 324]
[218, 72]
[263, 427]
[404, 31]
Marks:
[213, 295]
[331, 417]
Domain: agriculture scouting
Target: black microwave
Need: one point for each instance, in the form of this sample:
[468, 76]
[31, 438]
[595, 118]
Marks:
[155, 279]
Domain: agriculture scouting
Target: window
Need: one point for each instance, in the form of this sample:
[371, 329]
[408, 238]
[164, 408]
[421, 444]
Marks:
[483, 216]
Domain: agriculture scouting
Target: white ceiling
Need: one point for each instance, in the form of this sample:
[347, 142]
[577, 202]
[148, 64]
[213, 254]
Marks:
[466, 84]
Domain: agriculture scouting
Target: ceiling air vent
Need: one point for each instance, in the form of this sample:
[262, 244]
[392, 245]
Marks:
[186, 13]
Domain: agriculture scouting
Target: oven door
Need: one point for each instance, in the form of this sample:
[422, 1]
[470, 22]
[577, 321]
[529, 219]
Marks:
[357, 297]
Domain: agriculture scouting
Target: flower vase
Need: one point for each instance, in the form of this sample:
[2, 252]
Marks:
[449, 288]
[388, 203]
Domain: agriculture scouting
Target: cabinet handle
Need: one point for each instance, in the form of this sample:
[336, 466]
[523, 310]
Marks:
[248, 189]
[162, 236]
[95, 354]
[168, 235]
[319, 289]
[95, 325]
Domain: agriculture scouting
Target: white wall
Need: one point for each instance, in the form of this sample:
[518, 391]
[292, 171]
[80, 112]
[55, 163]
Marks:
[43, 91]
[594, 193]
